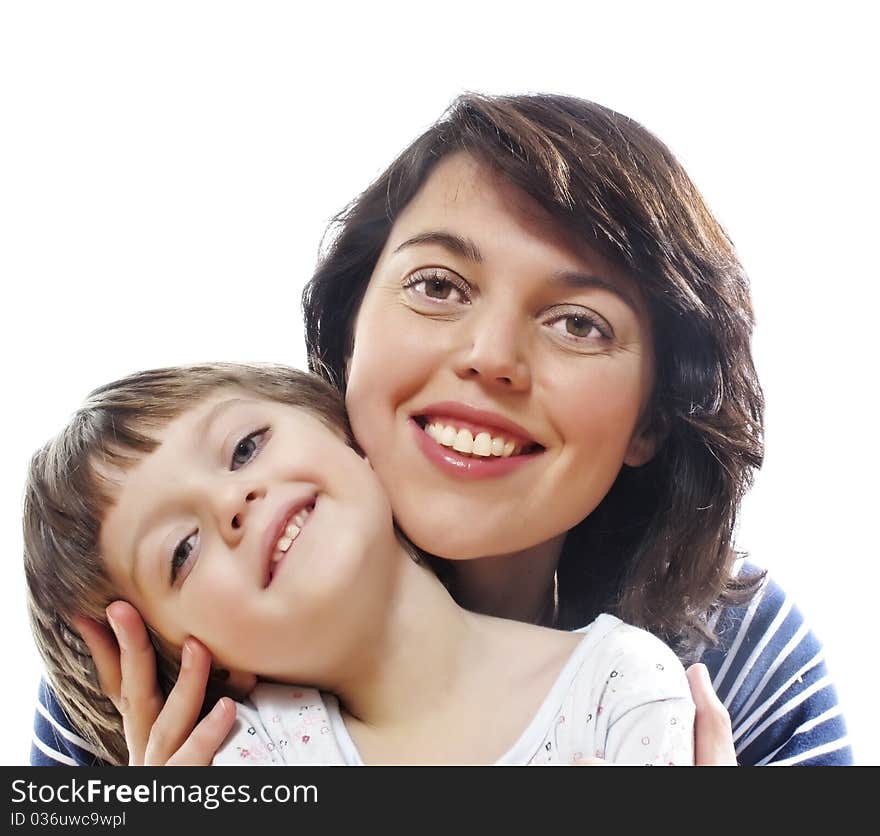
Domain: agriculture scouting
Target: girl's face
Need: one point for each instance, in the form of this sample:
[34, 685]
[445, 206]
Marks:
[501, 370]
[256, 529]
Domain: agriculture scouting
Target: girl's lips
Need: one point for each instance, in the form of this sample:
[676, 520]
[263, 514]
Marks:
[467, 467]
[279, 523]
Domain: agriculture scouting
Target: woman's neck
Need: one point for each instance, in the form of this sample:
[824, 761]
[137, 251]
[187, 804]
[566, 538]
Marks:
[520, 586]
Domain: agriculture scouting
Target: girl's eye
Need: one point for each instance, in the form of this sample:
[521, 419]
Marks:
[438, 286]
[181, 554]
[247, 448]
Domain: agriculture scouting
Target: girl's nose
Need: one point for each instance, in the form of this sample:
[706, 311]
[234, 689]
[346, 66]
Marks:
[233, 505]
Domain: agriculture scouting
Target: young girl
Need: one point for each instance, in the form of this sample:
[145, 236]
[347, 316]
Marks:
[226, 503]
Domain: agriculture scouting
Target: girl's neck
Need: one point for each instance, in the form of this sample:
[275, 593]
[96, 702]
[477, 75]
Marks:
[423, 651]
[416, 644]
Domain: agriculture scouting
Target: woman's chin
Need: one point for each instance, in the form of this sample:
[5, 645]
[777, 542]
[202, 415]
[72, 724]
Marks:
[465, 543]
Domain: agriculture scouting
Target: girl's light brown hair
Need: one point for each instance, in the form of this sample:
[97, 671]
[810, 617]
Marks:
[67, 495]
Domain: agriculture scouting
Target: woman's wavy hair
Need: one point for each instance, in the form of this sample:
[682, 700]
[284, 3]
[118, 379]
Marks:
[68, 492]
[658, 550]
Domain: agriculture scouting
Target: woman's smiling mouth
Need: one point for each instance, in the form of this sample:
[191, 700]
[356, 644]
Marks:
[471, 443]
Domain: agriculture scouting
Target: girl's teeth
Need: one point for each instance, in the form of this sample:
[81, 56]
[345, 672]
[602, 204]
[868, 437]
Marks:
[463, 441]
[291, 532]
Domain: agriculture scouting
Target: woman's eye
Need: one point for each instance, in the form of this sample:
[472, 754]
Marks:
[181, 554]
[581, 326]
[438, 287]
[247, 448]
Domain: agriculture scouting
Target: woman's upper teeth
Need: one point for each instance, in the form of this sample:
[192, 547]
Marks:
[464, 441]
[294, 526]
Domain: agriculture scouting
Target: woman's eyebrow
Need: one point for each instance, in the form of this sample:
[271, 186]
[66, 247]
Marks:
[467, 248]
[449, 240]
[578, 281]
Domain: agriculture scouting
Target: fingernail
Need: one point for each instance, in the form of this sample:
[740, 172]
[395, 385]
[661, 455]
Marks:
[221, 708]
[186, 655]
[111, 622]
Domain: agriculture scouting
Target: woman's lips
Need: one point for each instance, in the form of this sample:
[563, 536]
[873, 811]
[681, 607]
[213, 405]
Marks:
[476, 420]
[465, 466]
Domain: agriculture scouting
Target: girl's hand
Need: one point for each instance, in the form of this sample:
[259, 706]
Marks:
[157, 732]
[713, 737]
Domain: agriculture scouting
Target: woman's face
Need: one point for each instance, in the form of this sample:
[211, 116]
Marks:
[500, 372]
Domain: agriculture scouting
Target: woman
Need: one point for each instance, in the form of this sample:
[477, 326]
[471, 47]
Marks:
[539, 270]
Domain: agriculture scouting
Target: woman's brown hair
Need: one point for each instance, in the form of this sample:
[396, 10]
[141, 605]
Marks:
[67, 494]
[658, 550]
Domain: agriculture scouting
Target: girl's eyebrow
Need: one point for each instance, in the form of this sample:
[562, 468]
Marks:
[448, 240]
[201, 428]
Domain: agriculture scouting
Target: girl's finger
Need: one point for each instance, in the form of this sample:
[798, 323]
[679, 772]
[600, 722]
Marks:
[105, 653]
[140, 699]
[713, 737]
[207, 737]
[174, 725]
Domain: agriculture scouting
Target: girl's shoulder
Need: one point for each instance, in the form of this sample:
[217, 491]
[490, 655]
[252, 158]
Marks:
[612, 637]
[282, 725]
[630, 658]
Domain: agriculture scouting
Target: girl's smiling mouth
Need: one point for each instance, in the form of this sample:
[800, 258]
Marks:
[290, 528]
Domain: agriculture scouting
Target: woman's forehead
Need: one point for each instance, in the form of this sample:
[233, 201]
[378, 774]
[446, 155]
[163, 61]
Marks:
[476, 203]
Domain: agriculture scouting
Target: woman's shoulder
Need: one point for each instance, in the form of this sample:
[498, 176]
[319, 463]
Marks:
[769, 669]
[767, 626]
[54, 741]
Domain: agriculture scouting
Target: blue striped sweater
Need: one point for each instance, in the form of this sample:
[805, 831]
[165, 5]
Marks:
[768, 669]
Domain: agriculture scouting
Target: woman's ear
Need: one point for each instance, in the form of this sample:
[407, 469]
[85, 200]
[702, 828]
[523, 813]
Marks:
[645, 442]
[640, 451]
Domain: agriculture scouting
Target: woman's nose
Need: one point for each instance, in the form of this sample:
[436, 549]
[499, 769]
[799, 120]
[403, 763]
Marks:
[492, 352]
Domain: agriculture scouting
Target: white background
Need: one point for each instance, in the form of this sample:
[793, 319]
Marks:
[167, 170]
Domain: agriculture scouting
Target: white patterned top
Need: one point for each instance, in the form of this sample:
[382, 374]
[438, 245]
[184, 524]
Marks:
[622, 696]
